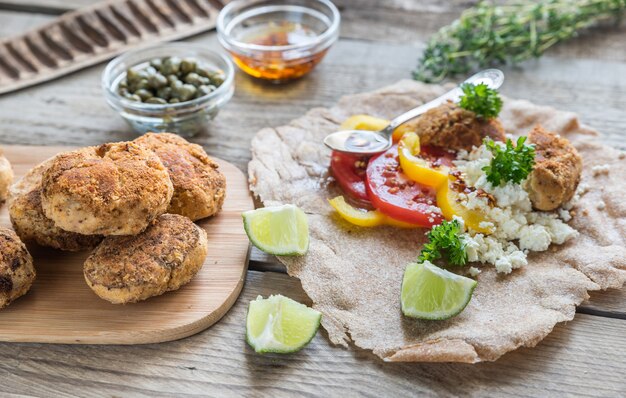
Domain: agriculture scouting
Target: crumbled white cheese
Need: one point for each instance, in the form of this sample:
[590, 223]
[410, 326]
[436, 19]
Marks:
[473, 271]
[600, 169]
[565, 215]
[432, 210]
[517, 229]
[486, 225]
[487, 249]
[535, 238]
[601, 206]
[558, 230]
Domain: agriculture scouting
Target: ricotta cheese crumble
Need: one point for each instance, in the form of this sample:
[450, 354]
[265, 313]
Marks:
[517, 228]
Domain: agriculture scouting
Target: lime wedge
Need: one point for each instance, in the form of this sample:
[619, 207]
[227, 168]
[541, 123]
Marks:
[279, 230]
[280, 324]
[429, 292]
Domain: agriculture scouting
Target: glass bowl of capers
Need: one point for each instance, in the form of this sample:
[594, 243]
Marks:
[174, 87]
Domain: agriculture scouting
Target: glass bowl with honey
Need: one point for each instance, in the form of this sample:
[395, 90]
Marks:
[278, 40]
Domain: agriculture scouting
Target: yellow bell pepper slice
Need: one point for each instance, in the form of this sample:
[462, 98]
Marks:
[418, 169]
[362, 218]
[447, 200]
[365, 218]
[371, 123]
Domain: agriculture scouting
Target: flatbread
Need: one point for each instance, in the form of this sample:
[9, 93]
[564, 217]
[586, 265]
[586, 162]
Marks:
[353, 275]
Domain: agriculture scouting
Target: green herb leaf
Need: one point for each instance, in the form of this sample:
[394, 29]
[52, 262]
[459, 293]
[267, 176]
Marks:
[444, 240]
[480, 99]
[487, 35]
[511, 163]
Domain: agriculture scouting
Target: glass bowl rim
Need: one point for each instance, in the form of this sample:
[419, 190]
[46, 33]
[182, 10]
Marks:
[116, 99]
[327, 35]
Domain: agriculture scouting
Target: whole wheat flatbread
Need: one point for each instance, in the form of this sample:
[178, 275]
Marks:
[353, 275]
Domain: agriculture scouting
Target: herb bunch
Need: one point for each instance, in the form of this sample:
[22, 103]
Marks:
[444, 240]
[489, 35]
[511, 163]
[480, 99]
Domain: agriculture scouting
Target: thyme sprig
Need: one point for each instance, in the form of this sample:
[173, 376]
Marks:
[490, 35]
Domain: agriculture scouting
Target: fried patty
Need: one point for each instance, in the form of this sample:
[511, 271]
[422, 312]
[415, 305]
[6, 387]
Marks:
[112, 189]
[16, 267]
[29, 220]
[557, 171]
[452, 127]
[6, 177]
[199, 187]
[166, 256]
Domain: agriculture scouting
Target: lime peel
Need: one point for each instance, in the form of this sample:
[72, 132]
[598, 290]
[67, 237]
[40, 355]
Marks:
[429, 292]
[279, 324]
[279, 230]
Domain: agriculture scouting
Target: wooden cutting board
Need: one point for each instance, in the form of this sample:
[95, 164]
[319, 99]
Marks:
[60, 308]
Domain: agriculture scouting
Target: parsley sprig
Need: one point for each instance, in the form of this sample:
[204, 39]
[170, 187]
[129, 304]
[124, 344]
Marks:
[511, 163]
[445, 241]
[480, 99]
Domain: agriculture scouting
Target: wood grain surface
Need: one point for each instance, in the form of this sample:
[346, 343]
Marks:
[580, 358]
[60, 307]
[380, 44]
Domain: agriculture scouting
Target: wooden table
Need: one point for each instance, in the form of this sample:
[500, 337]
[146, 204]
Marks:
[379, 45]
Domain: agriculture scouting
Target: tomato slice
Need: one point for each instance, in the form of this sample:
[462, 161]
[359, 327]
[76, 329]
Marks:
[395, 195]
[436, 156]
[349, 171]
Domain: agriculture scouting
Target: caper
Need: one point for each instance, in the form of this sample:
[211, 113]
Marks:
[144, 94]
[204, 72]
[155, 100]
[139, 84]
[187, 92]
[173, 81]
[204, 90]
[174, 101]
[217, 79]
[150, 70]
[133, 97]
[156, 63]
[193, 78]
[188, 65]
[170, 65]
[123, 84]
[157, 80]
[133, 75]
[164, 92]
[123, 91]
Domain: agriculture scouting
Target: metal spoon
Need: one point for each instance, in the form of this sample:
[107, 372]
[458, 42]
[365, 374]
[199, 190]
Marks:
[371, 142]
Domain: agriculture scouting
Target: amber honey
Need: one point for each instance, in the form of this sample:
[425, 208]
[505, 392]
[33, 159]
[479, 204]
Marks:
[281, 64]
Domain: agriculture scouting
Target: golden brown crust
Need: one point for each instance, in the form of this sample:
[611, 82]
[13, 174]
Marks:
[125, 269]
[557, 171]
[199, 187]
[6, 177]
[452, 127]
[31, 224]
[113, 189]
[16, 267]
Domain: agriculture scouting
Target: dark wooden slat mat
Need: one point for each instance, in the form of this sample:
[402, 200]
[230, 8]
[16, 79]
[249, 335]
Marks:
[93, 34]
